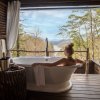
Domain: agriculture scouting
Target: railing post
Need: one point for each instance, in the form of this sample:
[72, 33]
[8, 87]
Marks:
[47, 53]
[18, 53]
[87, 62]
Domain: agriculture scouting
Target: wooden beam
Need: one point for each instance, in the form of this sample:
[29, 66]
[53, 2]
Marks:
[4, 1]
[38, 3]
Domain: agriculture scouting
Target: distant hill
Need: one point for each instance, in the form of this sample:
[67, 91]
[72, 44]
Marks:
[58, 45]
[58, 42]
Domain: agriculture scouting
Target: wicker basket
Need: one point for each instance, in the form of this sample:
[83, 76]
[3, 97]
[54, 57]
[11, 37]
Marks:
[13, 84]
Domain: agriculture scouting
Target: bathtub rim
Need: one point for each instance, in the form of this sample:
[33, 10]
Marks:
[36, 57]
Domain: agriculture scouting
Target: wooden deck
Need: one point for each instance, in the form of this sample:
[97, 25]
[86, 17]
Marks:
[84, 88]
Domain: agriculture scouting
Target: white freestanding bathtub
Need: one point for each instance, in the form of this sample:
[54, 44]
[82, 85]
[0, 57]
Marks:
[57, 79]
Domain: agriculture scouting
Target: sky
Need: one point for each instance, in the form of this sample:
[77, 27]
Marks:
[47, 21]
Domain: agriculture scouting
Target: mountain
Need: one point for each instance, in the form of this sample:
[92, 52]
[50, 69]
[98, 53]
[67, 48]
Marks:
[59, 44]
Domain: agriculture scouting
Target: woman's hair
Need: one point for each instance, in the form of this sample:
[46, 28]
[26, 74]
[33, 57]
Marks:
[69, 48]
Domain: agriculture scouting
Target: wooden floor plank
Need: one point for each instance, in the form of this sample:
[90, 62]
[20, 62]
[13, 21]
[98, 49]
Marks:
[84, 92]
[85, 87]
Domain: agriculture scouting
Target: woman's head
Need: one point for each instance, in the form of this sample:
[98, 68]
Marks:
[69, 50]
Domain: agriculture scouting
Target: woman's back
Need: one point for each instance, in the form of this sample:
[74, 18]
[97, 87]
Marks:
[68, 62]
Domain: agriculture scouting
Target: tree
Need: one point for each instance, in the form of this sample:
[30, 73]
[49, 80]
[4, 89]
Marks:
[83, 28]
[36, 34]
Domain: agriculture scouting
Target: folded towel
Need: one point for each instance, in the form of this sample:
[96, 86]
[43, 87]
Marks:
[39, 75]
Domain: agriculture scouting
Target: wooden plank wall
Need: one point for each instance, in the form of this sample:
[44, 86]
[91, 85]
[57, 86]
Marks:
[3, 18]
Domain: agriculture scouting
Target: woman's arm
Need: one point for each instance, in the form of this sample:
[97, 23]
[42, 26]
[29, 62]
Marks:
[59, 62]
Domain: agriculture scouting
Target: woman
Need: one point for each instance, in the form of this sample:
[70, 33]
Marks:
[68, 61]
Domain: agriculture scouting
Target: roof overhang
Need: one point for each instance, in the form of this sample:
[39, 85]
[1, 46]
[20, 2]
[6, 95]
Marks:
[41, 3]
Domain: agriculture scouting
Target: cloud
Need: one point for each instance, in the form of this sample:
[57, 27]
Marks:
[50, 13]
[54, 13]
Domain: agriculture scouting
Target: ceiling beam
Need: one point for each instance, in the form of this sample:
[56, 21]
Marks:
[39, 3]
[4, 1]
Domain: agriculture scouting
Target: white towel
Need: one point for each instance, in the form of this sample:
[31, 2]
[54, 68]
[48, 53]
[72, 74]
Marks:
[39, 75]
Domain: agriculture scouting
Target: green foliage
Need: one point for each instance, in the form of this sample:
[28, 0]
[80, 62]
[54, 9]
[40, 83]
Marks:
[30, 42]
[83, 29]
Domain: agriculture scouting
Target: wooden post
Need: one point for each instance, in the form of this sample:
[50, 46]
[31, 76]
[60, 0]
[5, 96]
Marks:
[18, 52]
[87, 61]
[47, 53]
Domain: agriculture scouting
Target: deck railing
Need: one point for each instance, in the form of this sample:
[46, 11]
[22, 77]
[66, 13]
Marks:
[47, 52]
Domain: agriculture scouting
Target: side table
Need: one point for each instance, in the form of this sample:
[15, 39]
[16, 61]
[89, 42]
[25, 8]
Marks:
[13, 84]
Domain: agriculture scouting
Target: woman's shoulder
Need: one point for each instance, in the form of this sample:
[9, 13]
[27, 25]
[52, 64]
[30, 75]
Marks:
[64, 59]
[69, 60]
[79, 61]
